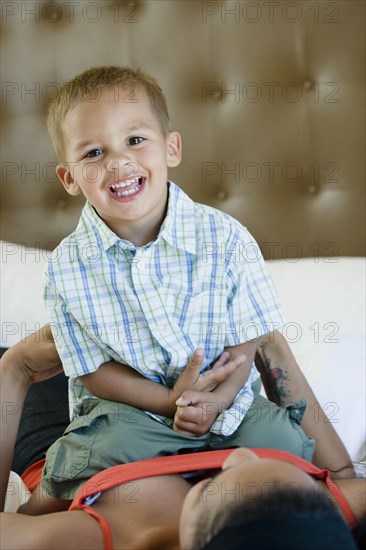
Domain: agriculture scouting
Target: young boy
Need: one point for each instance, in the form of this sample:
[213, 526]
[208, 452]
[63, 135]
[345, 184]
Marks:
[150, 283]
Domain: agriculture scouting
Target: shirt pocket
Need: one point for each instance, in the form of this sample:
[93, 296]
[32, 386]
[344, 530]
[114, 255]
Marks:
[197, 313]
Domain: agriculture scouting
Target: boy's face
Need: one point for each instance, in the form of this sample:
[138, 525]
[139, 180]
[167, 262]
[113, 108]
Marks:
[118, 156]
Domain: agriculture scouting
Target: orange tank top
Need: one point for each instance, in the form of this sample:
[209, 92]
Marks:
[175, 464]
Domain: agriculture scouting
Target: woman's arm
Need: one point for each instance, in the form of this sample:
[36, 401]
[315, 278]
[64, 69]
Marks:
[285, 383]
[32, 360]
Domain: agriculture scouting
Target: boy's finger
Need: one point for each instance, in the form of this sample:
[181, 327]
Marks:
[240, 358]
[192, 371]
[195, 363]
[222, 372]
[189, 397]
[235, 363]
[188, 414]
[197, 358]
[224, 357]
[181, 402]
[186, 428]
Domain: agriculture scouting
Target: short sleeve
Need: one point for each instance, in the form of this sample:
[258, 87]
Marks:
[79, 352]
[253, 308]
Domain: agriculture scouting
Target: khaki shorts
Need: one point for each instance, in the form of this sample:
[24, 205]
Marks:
[110, 433]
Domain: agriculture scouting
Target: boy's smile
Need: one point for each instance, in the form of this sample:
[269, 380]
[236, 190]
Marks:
[126, 188]
[118, 156]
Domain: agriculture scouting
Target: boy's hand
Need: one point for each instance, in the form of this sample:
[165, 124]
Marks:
[196, 412]
[191, 379]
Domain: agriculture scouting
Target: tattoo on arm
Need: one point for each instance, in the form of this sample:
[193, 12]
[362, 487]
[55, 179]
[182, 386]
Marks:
[275, 378]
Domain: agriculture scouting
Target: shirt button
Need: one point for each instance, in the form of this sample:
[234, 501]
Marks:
[141, 264]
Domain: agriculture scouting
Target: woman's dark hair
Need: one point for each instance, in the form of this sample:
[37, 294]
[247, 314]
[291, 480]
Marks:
[359, 533]
[300, 519]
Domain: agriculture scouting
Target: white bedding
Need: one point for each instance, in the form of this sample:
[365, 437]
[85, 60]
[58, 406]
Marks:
[324, 302]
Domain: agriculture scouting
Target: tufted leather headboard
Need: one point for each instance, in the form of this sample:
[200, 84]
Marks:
[269, 97]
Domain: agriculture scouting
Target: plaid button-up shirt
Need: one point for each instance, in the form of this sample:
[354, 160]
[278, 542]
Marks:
[201, 283]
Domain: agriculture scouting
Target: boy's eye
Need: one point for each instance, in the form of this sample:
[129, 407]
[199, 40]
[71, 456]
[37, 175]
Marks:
[94, 153]
[135, 140]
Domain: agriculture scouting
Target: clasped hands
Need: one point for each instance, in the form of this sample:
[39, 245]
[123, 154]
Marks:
[197, 399]
[200, 398]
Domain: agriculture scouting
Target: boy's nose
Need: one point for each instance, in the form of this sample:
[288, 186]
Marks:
[122, 168]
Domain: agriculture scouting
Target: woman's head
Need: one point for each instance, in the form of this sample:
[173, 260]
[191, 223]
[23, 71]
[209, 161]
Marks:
[250, 499]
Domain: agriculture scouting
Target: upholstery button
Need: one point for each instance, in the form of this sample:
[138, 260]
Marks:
[222, 195]
[312, 189]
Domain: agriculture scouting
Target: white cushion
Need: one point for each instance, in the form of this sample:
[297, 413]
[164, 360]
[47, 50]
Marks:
[324, 302]
[22, 311]
[16, 494]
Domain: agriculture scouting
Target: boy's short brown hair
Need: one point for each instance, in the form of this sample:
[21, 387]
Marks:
[87, 86]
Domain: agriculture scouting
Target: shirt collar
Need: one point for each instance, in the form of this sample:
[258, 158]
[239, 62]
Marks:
[178, 228]
[93, 231]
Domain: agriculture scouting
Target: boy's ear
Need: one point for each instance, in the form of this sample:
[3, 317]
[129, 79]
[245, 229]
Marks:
[67, 180]
[174, 154]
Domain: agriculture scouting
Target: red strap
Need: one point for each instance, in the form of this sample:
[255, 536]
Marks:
[106, 530]
[342, 501]
[317, 473]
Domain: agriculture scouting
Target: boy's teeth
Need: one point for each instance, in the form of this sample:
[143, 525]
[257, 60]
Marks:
[126, 183]
[128, 192]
